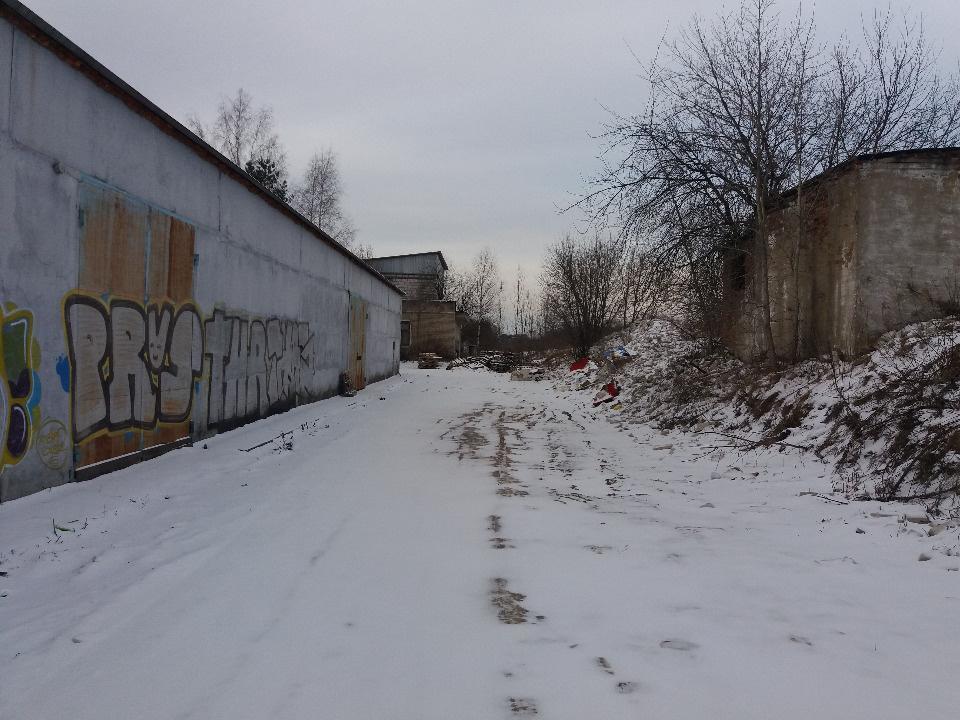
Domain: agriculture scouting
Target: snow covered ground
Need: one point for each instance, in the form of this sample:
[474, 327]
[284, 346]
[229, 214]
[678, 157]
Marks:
[451, 544]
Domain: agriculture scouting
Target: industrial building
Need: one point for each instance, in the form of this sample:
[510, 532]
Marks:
[867, 247]
[430, 324]
[151, 292]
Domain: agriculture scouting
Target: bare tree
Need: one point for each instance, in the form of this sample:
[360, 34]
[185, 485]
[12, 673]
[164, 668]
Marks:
[640, 286]
[524, 306]
[319, 196]
[363, 250]
[197, 125]
[743, 108]
[245, 134]
[886, 93]
[477, 291]
[579, 285]
[487, 287]
[712, 143]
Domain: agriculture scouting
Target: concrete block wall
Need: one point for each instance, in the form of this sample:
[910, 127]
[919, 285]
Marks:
[812, 272]
[420, 287]
[433, 327]
[909, 259]
[876, 247]
[149, 293]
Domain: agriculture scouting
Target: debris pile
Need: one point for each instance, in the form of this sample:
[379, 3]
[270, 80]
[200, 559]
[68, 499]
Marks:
[429, 361]
[495, 360]
[886, 423]
[345, 386]
[607, 393]
[527, 373]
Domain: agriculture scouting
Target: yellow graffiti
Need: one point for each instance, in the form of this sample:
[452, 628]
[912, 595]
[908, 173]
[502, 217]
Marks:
[19, 384]
[53, 444]
[132, 365]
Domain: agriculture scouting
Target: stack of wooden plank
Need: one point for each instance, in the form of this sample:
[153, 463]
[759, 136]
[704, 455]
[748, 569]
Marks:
[428, 361]
[495, 360]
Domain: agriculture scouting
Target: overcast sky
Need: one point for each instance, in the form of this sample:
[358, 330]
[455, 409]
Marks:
[457, 124]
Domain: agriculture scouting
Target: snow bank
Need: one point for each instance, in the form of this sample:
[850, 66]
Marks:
[889, 421]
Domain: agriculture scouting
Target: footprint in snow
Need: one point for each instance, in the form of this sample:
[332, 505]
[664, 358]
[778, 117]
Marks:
[682, 645]
[524, 707]
[604, 664]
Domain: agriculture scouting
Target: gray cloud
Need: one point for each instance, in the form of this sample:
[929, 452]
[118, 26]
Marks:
[458, 124]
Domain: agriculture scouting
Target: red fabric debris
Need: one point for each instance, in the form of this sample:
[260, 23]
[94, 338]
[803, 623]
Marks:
[579, 364]
[607, 393]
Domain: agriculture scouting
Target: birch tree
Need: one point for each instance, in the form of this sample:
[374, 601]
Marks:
[245, 133]
[319, 197]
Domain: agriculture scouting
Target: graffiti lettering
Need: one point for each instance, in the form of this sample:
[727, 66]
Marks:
[130, 366]
[256, 366]
[19, 384]
[134, 366]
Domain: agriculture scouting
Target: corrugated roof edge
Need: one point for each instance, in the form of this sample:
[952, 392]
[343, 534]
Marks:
[38, 29]
[786, 196]
[402, 255]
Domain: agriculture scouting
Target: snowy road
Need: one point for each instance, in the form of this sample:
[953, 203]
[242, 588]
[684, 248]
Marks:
[454, 545]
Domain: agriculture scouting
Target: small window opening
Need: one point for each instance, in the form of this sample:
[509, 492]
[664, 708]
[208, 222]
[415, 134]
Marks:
[738, 270]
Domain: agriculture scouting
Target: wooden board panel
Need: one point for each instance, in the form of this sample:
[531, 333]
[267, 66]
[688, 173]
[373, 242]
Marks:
[358, 325]
[132, 308]
[169, 280]
[113, 236]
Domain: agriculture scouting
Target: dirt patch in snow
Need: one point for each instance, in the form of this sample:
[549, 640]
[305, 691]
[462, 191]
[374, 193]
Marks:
[507, 603]
[523, 707]
[496, 527]
[604, 665]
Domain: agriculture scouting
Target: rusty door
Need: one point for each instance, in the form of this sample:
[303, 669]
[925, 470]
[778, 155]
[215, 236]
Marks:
[358, 327]
[135, 276]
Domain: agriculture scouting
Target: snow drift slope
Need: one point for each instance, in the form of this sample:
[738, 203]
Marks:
[888, 422]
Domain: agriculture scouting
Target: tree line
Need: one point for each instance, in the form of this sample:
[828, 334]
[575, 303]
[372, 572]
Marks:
[246, 134]
[741, 108]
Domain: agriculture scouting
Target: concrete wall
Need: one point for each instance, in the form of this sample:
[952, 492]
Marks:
[419, 287]
[812, 270]
[418, 275]
[433, 327]
[909, 258]
[874, 246]
[149, 295]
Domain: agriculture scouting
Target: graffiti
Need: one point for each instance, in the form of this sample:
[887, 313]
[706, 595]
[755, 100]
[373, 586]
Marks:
[53, 444]
[256, 366]
[132, 366]
[20, 387]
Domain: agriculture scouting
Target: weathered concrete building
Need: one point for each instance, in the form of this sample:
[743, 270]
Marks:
[430, 323]
[151, 292]
[867, 247]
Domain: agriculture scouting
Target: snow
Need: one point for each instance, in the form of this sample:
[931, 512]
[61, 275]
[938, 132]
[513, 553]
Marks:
[451, 544]
[854, 413]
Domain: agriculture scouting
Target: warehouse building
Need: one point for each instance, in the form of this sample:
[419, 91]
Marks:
[151, 292]
[430, 323]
